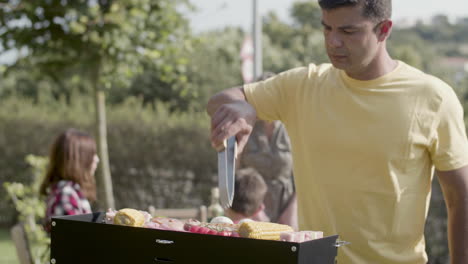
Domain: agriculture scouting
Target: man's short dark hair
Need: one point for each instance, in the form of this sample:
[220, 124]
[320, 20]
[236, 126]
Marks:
[376, 10]
[250, 190]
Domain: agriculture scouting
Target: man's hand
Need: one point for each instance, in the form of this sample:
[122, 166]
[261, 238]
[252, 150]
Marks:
[455, 188]
[231, 115]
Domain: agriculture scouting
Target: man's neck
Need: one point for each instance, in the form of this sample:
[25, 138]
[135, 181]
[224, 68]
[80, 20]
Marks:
[379, 66]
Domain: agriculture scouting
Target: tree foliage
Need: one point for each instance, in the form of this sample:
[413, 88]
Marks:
[118, 40]
[288, 46]
[215, 64]
[107, 42]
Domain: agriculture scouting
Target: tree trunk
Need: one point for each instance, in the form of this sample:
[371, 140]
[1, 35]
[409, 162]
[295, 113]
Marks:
[105, 195]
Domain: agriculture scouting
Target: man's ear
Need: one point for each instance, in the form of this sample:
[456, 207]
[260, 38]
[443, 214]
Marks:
[384, 29]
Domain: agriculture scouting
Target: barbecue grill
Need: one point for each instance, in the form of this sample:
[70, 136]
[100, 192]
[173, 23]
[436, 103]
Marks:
[87, 239]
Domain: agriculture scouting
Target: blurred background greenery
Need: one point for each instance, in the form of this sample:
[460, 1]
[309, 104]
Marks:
[142, 60]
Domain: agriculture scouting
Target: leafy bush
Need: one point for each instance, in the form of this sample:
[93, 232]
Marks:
[31, 208]
[157, 157]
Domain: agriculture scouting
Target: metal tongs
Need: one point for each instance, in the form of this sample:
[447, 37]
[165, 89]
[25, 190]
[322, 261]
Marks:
[226, 171]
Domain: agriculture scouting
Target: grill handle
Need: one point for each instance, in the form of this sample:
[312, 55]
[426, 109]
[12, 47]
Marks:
[164, 241]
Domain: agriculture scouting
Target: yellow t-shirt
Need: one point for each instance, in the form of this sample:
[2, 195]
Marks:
[364, 153]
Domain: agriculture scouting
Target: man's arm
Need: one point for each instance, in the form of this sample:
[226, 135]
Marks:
[455, 188]
[231, 115]
[224, 97]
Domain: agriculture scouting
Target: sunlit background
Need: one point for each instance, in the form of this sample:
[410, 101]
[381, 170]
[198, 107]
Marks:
[137, 76]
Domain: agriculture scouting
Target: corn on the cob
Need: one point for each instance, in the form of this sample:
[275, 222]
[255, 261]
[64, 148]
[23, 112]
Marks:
[263, 230]
[129, 217]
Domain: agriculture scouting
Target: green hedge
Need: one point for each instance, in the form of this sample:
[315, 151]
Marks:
[157, 158]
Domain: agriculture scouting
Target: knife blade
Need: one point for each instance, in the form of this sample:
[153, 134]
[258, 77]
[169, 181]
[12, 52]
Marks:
[222, 177]
[226, 172]
[231, 153]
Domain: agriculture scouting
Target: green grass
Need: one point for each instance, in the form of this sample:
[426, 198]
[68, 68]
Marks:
[7, 248]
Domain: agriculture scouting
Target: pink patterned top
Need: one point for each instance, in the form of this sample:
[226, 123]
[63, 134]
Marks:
[65, 198]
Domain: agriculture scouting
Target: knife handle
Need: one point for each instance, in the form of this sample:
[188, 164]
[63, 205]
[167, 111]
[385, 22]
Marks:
[222, 147]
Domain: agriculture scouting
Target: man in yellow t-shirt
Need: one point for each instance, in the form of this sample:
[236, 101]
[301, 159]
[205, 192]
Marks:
[367, 133]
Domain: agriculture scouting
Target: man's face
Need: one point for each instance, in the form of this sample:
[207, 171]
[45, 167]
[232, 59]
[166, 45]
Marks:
[350, 39]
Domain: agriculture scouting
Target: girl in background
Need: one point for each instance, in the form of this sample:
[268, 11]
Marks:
[69, 184]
